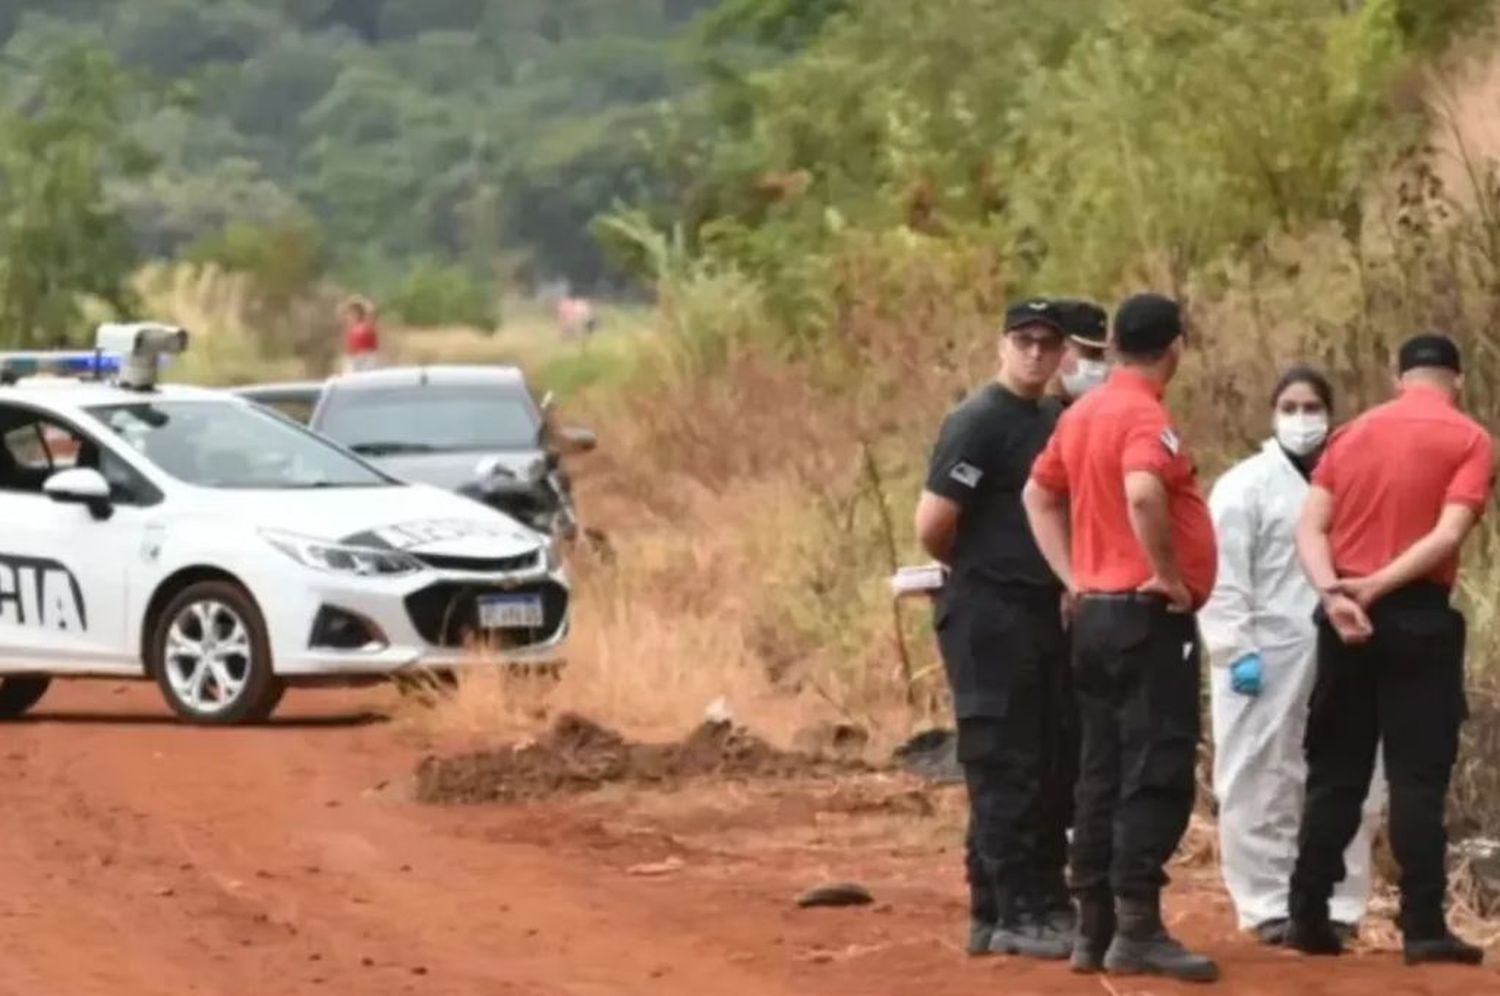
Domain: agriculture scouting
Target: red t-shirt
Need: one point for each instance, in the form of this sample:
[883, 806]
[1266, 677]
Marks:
[1391, 471]
[1108, 433]
[361, 338]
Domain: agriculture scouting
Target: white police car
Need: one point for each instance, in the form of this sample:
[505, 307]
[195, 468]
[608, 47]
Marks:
[192, 537]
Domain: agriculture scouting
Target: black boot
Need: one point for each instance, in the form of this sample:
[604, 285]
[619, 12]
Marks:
[1023, 929]
[982, 913]
[1142, 946]
[1272, 932]
[1446, 949]
[1309, 930]
[1096, 929]
[1058, 909]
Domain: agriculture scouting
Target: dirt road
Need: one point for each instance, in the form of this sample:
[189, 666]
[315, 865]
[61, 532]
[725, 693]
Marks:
[143, 857]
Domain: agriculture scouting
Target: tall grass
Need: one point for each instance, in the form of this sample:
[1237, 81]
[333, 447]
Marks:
[529, 338]
[227, 344]
[757, 505]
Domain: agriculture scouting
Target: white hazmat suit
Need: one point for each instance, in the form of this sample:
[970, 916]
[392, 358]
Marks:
[1263, 603]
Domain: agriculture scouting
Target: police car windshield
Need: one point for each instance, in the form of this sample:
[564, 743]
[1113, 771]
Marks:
[223, 444]
[430, 418]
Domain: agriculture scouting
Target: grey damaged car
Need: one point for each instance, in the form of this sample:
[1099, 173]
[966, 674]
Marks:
[474, 429]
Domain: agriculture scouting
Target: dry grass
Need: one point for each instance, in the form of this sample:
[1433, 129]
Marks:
[755, 520]
[659, 635]
[229, 346]
[528, 336]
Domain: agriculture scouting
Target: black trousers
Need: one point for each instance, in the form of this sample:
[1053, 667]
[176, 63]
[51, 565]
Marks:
[1403, 688]
[1136, 674]
[1006, 655]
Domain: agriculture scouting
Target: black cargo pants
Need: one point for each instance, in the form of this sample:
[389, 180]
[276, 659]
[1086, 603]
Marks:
[1136, 675]
[1006, 656]
[1403, 688]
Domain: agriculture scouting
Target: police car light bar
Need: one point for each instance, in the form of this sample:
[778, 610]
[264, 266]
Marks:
[65, 362]
[132, 353]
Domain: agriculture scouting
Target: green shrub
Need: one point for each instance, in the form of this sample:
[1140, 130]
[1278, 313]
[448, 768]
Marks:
[437, 293]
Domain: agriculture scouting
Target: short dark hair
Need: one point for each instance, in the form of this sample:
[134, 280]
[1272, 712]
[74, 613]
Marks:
[1304, 374]
[1146, 325]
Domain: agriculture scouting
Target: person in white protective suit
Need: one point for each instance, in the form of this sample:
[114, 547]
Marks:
[1259, 631]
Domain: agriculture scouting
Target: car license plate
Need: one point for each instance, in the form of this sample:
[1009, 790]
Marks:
[510, 611]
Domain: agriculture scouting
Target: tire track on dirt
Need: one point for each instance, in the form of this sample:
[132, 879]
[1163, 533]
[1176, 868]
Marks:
[149, 857]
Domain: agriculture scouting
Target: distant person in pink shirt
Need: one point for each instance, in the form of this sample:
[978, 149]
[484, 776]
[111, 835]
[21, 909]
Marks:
[575, 317]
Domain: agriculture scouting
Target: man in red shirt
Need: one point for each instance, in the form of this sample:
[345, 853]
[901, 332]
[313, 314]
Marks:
[1391, 503]
[1115, 507]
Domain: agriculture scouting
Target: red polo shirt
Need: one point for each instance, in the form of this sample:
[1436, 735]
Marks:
[1119, 428]
[1391, 471]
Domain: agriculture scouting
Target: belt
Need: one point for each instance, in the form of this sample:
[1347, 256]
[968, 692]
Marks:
[978, 584]
[1417, 595]
[1132, 597]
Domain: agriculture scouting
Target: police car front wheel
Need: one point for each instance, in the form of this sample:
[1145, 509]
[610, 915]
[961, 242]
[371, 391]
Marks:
[21, 692]
[211, 656]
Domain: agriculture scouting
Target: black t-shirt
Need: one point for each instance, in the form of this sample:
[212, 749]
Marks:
[982, 461]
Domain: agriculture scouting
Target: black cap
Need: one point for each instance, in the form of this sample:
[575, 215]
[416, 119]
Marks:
[1034, 311]
[1084, 321]
[1430, 350]
[1147, 323]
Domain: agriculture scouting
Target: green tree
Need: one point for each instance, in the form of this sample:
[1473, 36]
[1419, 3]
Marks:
[62, 241]
[458, 129]
[435, 293]
[286, 258]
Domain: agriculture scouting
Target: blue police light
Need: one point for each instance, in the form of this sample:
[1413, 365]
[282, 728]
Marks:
[82, 362]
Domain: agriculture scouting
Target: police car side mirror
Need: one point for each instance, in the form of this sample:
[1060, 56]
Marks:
[80, 486]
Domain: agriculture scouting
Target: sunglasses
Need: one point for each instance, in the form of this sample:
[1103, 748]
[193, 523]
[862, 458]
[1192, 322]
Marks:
[1042, 342]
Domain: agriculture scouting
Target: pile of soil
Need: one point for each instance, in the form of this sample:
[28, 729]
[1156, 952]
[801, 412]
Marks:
[578, 755]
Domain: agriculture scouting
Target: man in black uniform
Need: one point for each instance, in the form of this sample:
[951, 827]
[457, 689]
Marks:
[1000, 627]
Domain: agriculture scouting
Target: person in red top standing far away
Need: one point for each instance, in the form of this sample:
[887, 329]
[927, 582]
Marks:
[361, 341]
[1390, 505]
[1116, 509]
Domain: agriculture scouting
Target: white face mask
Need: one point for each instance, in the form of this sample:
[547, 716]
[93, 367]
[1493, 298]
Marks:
[1300, 434]
[1086, 375]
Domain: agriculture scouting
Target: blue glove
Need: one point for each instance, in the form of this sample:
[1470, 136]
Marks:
[1245, 675]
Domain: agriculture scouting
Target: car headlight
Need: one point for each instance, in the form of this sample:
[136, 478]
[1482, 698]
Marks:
[336, 558]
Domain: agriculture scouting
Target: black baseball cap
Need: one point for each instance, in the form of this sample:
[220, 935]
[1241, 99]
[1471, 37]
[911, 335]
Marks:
[1084, 321]
[1035, 311]
[1147, 323]
[1429, 350]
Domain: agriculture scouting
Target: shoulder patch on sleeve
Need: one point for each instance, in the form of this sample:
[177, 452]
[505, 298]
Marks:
[966, 474]
[1170, 441]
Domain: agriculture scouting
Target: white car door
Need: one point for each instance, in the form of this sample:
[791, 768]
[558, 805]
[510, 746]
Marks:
[64, 601]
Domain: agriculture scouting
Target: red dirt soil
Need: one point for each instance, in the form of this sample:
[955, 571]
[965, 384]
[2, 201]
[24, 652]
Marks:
[144, 857]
